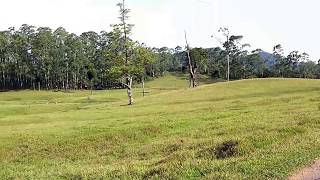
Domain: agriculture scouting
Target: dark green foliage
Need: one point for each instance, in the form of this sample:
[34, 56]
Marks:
[91, 73]
[32, 58]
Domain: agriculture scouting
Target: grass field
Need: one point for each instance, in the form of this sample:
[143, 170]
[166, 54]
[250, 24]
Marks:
[253, 129]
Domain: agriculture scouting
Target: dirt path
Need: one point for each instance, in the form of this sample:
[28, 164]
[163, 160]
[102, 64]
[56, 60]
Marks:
[309, 173]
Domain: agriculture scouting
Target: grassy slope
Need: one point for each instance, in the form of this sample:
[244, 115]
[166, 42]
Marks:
[171, 133]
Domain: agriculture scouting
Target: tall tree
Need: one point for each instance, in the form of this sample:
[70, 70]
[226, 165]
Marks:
[279, 66]
[291, 64]
[42, 52]
[226, 45]
[126, 68]
[232, 47]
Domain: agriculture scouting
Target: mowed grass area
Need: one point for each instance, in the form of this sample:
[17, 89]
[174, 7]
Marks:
[272, 126]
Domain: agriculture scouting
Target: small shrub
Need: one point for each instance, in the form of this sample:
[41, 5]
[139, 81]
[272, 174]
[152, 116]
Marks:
[226, 149]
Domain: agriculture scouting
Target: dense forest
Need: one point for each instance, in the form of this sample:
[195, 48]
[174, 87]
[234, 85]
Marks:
[42, 58]
[39, 58]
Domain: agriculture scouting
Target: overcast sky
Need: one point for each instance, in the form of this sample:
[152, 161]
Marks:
[263, 23]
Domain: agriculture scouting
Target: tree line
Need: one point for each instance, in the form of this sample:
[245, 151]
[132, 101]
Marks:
[42, 58]
[33, 58]
[39, 58]
[234, 62]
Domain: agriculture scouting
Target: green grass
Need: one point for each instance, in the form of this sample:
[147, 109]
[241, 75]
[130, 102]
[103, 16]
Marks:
[173, 133]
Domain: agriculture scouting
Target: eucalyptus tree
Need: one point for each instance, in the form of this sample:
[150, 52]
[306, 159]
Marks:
[177, 60]
[279, 66]
[258, 65]
[91, 51]
[43, 45]
[75, 60]
[233, 48]
[291, 64]
[4, 57]
[163, 58]
[102, 63]
[10, 59]
[308, 69]
[22, 48]
[60, 66]
[226, 45]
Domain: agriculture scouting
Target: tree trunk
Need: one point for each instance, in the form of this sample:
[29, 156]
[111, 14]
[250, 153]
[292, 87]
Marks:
[4, 80]
[91, 87]
[228, 70]
[129, 90]
[143, 89]
[33, 85]
[39, 86]
[67, 81]
[46, 81]
[74, 81]
[21, 81]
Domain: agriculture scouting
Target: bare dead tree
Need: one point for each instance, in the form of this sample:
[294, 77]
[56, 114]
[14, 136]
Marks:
[192, 69]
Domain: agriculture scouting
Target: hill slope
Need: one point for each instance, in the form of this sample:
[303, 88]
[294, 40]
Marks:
[268, 57]
[245, 129]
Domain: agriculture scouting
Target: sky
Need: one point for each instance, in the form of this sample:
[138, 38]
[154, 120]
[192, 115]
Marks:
[263, 23]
